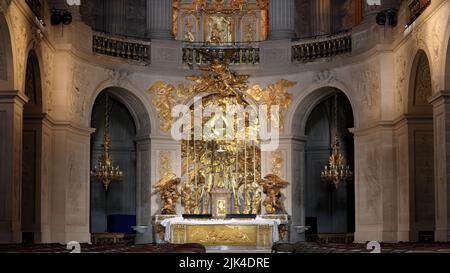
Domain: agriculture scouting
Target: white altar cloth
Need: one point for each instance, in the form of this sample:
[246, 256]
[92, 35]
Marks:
[273, 223]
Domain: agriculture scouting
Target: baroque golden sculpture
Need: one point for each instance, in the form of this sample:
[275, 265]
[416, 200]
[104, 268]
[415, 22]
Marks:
[232, 165]
[167, 187]
[272, 186]
[217, 78]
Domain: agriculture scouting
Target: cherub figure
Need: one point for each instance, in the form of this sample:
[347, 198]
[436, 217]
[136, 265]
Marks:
[167, 187]
[272, 185]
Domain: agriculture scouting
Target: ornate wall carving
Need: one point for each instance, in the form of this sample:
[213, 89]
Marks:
[3, 61]
[21, 32]
[370, 189]
[117, 77]
[47, 83]
[80, 83]
[324, 76]
[422, 86]
[368, 87]
[401, 65]
[277, 163]
[77, 197]
[165, 163]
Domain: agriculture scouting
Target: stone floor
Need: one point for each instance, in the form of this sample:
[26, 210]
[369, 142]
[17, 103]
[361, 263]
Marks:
[282, 248]
[361, 248]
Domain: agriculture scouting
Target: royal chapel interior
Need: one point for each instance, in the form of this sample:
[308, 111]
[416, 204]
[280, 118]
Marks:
[224, 123]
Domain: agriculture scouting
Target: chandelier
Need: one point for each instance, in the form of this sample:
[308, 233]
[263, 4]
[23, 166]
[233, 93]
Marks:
[336, 170]
[105, 171]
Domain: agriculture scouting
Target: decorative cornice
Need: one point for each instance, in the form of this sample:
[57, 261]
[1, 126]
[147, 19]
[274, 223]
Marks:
[12, 95]
[441, 96]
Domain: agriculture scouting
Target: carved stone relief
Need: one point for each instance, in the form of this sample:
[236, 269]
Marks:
[3, 63]
[368, 86]
[48, 77]
[325, 76]
[77, 186]
[78, 89]
[371, 192]
[401, 64]
[165, 163]
[21, 31]
[422, 87]
[117, 77]
[277, 163]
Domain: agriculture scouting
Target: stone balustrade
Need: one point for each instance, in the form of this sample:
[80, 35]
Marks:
[124, 48]
[239, 53]
[249, 54]
[309, 50]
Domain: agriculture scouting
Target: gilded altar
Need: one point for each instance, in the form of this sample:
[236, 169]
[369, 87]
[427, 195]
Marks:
[256, 233]
[259, 233]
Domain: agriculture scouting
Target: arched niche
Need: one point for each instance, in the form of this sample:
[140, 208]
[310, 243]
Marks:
[420, 86]
[32, 152]
[120, 198]
[141, 138]
[416, 176]
[297, 139]
[6, 60]
[329, 209]
[447, 67]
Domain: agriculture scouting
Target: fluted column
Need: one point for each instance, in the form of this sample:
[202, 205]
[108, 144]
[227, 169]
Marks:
[159, 19]
[321, 17]
[281, 19]
[115, 12]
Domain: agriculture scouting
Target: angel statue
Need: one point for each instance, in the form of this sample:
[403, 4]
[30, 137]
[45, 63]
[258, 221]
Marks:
[167, 187]
[272, 185]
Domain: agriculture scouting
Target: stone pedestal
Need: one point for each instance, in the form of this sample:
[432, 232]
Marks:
[220, 203]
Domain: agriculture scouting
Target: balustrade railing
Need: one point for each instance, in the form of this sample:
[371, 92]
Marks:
[237, 53]
[132, 50]
[322, 47]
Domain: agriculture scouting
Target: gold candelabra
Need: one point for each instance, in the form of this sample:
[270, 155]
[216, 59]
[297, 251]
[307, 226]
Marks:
[105, 171]
[336, 170]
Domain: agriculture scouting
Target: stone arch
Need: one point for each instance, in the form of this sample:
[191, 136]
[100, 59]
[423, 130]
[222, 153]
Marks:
[6, 56]
[446, 60]
[420, 86]
[33, 84]
[143, 123]
[297, 119]
[33, 178]
[142, 113]
[416, 143]
[302, 106]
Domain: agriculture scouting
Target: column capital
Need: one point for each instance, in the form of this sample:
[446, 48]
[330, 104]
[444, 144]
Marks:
[13, 96]
[441, 96]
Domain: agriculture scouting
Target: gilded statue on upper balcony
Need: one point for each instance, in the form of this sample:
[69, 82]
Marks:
[167, 187]
[272, 186]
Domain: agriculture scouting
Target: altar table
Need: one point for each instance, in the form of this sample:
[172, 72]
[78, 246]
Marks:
[258, 233]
